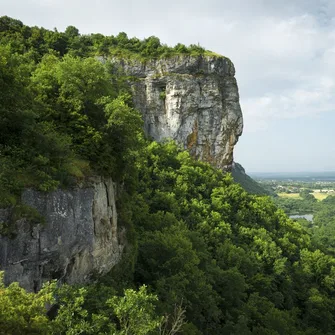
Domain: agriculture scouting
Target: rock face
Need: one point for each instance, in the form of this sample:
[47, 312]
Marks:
[193, 100]
[80, 237]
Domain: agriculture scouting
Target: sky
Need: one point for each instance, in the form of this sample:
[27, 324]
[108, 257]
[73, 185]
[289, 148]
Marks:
[283, 51]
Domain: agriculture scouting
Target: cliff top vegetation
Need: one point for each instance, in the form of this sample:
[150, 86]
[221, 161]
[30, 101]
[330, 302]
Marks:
[40, 41]
[234, 261]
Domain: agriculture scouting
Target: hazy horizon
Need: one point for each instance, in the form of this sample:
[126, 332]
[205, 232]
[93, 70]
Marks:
[283, 53]
[291, 172]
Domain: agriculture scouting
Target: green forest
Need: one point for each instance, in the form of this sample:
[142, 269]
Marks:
[204, 255]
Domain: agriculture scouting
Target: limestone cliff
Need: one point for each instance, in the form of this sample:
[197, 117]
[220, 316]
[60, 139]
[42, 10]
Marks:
[80, 236]
[193, 100]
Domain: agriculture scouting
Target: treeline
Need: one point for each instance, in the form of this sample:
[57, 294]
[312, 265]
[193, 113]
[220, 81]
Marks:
[204, 256]
[39, 41]
[61, 119]
[322, 229]
[307, 203]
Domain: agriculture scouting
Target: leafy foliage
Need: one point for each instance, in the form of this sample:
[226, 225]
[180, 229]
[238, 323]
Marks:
[62, 119]
[22, 312]
[41, 41]
[297, 206]
[235, 260]
[25, 313]
[206, 256]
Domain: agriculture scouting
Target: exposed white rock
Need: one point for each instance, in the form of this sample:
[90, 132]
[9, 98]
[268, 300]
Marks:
[193, 100]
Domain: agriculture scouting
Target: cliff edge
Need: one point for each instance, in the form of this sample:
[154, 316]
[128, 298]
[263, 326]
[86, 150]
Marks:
[193, 100]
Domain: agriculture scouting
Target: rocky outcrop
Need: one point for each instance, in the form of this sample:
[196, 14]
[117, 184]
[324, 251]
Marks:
[80, 236]
[193, 100]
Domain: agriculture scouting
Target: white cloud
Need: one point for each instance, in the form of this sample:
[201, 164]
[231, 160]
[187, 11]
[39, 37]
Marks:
[292, 64]
[261, 112]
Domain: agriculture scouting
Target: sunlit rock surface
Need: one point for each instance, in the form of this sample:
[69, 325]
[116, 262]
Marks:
[193, 100]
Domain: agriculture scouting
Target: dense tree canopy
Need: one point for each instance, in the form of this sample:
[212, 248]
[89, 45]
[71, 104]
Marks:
[203, 257]
[40, 41]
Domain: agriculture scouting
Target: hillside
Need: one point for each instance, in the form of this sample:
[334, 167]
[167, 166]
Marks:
[249, 184]
[144, 235]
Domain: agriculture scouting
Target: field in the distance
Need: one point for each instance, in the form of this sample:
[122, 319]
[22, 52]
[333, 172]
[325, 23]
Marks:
[318, 196]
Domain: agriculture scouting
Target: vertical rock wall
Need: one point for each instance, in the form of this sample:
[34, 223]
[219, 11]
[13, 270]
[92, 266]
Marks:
[193, 100]
[79, 238]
